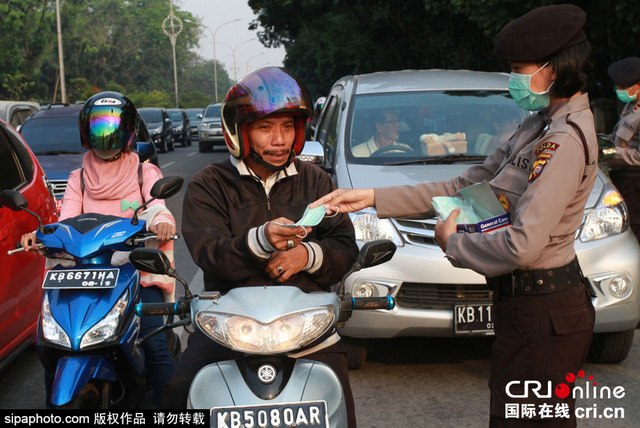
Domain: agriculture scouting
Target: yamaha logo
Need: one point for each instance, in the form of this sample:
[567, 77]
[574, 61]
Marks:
[267, 373]
[108, 102]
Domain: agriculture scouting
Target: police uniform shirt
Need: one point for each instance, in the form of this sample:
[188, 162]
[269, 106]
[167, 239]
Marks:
[625, 137]
[541, 178]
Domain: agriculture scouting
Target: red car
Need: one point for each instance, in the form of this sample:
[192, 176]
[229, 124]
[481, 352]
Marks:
[21, 274]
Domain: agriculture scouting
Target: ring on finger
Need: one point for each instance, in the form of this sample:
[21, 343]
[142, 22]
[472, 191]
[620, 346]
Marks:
[290, 244]
[279, 269]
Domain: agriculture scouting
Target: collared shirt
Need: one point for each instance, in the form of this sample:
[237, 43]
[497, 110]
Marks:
[258, 242]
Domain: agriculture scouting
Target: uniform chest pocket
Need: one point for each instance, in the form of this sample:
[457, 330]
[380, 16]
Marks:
[512, 181]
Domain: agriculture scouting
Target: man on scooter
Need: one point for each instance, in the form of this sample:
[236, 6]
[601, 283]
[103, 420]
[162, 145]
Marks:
[235, 214]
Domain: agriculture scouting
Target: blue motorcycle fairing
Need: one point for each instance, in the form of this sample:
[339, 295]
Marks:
[89, 234]
[77, 310]
[73, 373]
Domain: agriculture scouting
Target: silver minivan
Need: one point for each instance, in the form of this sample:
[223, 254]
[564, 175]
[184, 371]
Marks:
[462, 114]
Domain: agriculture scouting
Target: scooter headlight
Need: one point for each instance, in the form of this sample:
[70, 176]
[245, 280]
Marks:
[284, 334]
[106, 328]
[51, 330]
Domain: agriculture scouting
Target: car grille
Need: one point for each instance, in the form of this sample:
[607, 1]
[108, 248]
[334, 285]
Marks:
[59, 186]
[418, 232]
[413, 295]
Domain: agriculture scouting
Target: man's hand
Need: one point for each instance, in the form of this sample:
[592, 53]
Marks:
[28, 241]
[163, 230]
[444, 229]
[284, 264]
[346, 200]
[284, 238]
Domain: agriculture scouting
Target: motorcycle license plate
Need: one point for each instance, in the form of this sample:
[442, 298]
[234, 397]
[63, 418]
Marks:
[473, 320]
[81, 278]
[306, 414]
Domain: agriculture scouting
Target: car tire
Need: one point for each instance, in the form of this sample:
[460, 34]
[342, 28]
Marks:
[356, 352]
[610, 348]
[202, 147]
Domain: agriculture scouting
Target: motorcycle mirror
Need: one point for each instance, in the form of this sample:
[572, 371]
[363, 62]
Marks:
[150, 260]
[155, 261]
[166, 187]
[16, 201]
[13, 200]
[162, 189]
[371, 254]
[375, 253]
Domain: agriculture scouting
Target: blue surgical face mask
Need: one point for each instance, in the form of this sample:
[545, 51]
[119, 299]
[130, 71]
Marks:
[623, 95]
[520, 90]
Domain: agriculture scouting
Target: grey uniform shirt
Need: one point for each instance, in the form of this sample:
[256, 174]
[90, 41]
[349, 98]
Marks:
[540, 175]
[625, 137]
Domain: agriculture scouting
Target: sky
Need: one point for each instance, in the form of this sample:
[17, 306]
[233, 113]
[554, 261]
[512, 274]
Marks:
[250, 54]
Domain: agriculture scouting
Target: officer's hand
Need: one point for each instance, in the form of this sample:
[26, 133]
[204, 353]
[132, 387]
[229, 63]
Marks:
[444, 229]
[346, 200]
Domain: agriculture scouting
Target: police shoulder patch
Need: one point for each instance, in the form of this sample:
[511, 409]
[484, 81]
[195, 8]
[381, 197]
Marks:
[549, 145]
[537, 168]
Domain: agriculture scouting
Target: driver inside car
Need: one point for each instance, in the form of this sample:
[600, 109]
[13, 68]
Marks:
[387, 127]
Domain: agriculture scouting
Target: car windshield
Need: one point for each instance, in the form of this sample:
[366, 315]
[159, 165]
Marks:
[430, 126]
[151, 116]
[193, 114]
[58, 135]
[176, 116]
[213, 111]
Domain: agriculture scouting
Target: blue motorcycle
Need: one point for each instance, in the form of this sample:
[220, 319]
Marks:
[88, 331]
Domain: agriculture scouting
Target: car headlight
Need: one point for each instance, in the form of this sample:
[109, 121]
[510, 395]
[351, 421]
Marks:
[284, 334]
[370, 228]
[178, 128]
[158, 130]
[608, 218]
[106, 328]
[51, 330]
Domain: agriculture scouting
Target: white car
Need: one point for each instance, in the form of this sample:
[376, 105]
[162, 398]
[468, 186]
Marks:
[463, 113]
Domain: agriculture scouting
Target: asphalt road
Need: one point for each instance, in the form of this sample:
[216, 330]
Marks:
[406, 382]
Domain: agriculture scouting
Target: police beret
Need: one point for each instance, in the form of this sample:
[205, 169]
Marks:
[540, 33]
[625, 72]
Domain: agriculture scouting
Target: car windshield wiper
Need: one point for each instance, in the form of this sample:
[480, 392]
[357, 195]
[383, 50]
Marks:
[57, 152]
[448, 158]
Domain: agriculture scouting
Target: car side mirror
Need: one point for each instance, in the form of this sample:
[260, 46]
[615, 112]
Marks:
[198, 116]
[167, 120]
[16, 201]
[312, 152]
[606, 148]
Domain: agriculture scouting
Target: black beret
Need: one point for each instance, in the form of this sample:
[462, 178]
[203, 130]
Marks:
[625, 72]
[540, 33]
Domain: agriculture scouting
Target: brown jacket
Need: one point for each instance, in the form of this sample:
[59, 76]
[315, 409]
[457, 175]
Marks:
[543, 176]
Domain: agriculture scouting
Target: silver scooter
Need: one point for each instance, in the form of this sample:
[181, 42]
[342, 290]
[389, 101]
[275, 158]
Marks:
[267, 387]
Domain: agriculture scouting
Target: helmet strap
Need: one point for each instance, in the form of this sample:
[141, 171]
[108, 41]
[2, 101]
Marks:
[273, 168]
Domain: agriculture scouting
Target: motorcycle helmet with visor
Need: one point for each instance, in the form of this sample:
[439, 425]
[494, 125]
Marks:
[270, 90]
[108, 122]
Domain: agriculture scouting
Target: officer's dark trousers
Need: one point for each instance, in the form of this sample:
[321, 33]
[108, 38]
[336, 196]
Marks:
[202, 351]
[538, 338]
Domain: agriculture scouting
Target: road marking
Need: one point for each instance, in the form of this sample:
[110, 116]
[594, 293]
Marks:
[192, 153]
[169, 164]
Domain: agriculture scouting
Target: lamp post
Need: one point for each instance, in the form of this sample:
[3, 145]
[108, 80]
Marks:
[173, 32]
[261, 53]
[233, 49]
[63, 90]
[213, 41]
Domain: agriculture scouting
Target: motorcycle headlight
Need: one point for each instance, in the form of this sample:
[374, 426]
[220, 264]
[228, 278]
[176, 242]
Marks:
[284, 334]
[51, 330]
[106, 328]
[369, 227]
[608, 218]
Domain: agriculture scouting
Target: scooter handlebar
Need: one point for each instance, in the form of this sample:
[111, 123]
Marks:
[175, 308]
[386, 302]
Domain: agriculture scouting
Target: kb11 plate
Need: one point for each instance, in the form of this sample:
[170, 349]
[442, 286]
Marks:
[473, 320]
[81, 278]
[306, 414]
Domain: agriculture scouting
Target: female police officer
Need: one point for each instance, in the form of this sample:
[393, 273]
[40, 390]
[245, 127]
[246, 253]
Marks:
[544, 173]
[625, 165]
